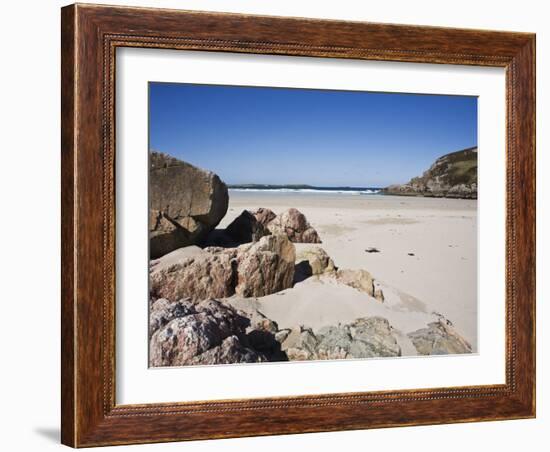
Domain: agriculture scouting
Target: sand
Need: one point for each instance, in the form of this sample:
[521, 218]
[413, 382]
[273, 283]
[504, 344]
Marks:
[426, 259]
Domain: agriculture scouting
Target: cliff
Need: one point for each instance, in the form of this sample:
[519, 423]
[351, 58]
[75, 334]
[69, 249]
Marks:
[453, 175]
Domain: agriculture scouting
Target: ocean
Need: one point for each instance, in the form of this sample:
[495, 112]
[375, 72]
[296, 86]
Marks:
[312, 190]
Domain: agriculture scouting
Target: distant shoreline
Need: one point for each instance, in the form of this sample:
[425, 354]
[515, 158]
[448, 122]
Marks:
[303, 189]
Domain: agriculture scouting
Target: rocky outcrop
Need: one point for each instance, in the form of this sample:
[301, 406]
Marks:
[439, 338]
[230, 351]
[193, 273]
[235, 331]
[363, 338]
[250, 270]
[165, 234]
[315, 262]
[453, 175]
[262, 333]
[246, 228]
[205, 333]
[264, 216]
[252, 226]
[185, 202]
[361, 280]
[294, 224]
[162, 311]
[312, 261]
[265, 267]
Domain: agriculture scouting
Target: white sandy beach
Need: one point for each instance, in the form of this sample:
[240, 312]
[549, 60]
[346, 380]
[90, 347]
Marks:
[427, 259]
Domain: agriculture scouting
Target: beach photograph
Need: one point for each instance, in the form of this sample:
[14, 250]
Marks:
[290, 224]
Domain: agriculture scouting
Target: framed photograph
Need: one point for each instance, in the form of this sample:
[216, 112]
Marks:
[281, 225]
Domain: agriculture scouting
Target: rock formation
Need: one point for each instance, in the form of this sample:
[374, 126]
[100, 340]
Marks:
[211, 332]
[312, 261]
[162, 311]
[251, 226]
[294, 224]
[264, 216]
[439, 338]
[453, 176]
[246, 228]
[230, 351]
[360, 280]
[262, 333]
[192, 273]
[234, 331]
[185, 202]
[265, 267]
[204, 333]
[363, 338]
[250, 270]
[165, 234]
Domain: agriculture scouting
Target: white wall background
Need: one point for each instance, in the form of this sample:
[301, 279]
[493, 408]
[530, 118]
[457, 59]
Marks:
[30, 244]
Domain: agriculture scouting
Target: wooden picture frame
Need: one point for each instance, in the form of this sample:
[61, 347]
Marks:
[90, 36]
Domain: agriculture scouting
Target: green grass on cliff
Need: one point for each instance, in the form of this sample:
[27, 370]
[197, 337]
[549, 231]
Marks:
[464, 172]
[457, 167]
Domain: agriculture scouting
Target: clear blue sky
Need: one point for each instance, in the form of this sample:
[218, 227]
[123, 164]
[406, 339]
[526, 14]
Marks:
[316, 137]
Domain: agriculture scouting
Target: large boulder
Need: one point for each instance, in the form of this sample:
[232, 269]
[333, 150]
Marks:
[250, 270]
[230, 351]
[262, 333]
[246, 228]
[364, 338]
[295, 226]
[265, 267]
[312, 261]
[300, 344]
[205, 333]
[186, 203]
[252, 226]
[162, 311]
[192, 273]
[264, 215]
[250, 308]
[377, 335]
[439, 338]
[165, 234]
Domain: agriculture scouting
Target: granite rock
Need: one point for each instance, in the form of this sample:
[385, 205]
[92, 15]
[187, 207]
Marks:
[186, 203]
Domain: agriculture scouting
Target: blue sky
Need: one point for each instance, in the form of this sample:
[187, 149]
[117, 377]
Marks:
[316, 137]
